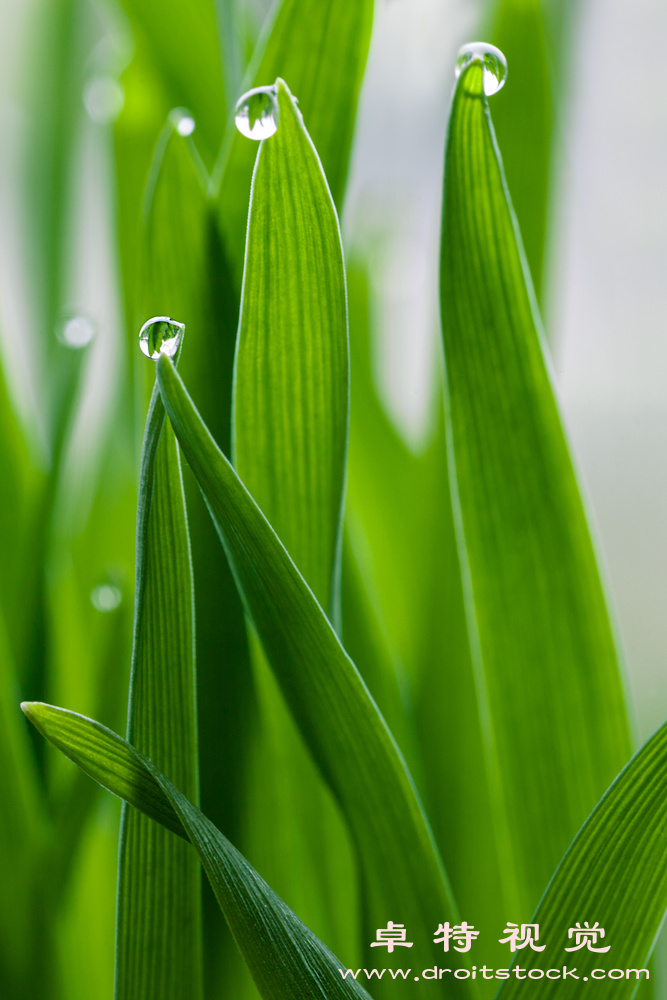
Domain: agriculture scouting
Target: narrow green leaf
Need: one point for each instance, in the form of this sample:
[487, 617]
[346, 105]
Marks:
[320, 49]
[182, 275]
[291, 373]
[615, 873]
[158, 949]
[337, 717]
[290, 437]
[551, 698]
[287, 960]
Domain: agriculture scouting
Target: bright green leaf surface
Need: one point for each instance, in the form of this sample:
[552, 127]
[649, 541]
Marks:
[291, 372]
[549, 689]
[615, 873]
[158, 951]
[339, 721]
[290, 437]
[286, 959]
[320, 49]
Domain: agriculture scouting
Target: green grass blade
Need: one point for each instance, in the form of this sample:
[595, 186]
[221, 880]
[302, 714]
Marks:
[616, 873]
[290, 437]
[321, 50]
[551, 698]
[182, 275]
[523, 119]
[291, 371]
[330, 703]
[158, 949]
[287, 960]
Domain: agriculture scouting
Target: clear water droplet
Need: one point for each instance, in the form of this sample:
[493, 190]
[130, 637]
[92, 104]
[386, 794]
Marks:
[160, 335]
[493, 61]
[76, 331]
[103, 98]
[257, 113]
[106, 597]
[183, 121]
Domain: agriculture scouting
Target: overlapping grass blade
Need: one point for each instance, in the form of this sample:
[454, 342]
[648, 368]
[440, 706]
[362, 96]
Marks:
[182, 275]
[330, 703]
[158, 947]
[287, 961]
[549, 689]
[290, 435]
[321, 50]
[615, 872]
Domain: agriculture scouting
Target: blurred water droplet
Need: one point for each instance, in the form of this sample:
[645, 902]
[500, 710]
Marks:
[106, 597]
[160, 335]
[183, 121]
[76, 331]
[493, 61]
[257, 113]
[103, 98]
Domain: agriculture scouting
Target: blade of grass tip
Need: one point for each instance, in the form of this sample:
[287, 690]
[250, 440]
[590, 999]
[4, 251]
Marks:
[158, 941]
[287, 961]
[182, 275]
[523, 120]
[401, 501]
[339, 721]
[321, 50]
[290, 436]
[550, 691]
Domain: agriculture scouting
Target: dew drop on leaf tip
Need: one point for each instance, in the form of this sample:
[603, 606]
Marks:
[492, 59]
[160, 335]
[257, 114]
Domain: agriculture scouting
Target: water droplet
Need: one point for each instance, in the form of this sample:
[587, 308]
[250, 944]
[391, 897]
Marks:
[103, 98]
[76, 331]
[183, 121]
[160, 335]
[106, 597]
[257, 113]
[493, 60]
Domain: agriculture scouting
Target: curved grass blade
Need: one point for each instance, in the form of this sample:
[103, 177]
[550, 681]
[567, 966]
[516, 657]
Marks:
[615, 873]
[321, 50]
[550, 693]
[287, 961]
[158, 941]
[338, 719]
